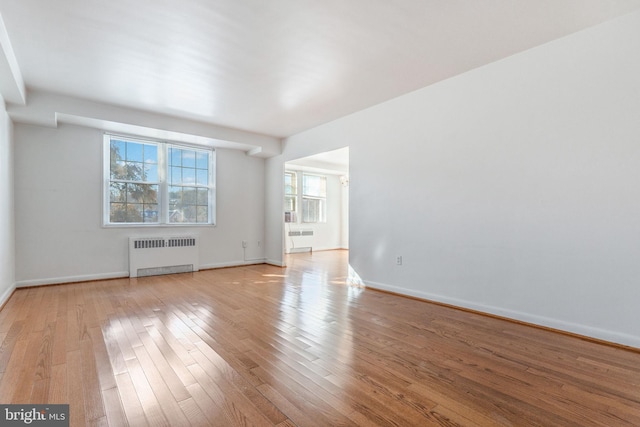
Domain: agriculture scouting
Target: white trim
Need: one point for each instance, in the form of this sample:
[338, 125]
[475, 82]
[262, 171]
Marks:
[275, 262]
[71, 279]
[232, 264]
[125, 274]
[7, 294]
[574, 328]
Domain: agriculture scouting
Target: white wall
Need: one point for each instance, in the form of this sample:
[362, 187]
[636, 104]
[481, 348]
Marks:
[512, 189]
[7, 223]
[58, 198]
[326, 235]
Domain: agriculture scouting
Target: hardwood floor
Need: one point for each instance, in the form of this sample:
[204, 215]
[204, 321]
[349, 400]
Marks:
[260, 345]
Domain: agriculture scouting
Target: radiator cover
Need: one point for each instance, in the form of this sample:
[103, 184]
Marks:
[152, 256]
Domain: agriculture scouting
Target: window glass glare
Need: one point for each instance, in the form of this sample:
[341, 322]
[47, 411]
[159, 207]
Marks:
[314, 193]
[313, 185]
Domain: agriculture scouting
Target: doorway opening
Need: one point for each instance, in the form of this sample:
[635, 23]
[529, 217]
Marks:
[316, 202]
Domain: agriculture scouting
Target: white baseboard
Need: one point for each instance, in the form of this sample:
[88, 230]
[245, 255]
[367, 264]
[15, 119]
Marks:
[277, 263]
[71, 279]
[561, 325]
[233, 263]
[7, 294]
[120, 274]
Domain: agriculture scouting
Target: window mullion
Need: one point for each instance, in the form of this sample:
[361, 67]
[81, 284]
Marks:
[163, 189]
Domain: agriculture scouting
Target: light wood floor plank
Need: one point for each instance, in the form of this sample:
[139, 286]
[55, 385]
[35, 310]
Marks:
[148, 401]
[130, 401]
[75, 388]
[58, 393]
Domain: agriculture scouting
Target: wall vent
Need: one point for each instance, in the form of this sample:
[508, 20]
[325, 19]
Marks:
[300, 233]
[152, 256]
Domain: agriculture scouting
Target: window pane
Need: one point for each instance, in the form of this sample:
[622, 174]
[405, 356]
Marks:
[175, 196]
[202, 177]
[175, 157]
[117, 192]
[189, 196]
[189, 214]
[150, 154]
[313, 210]
[117, 212]
[310, 210]
[202, 196]
[118, 169]
[149, 193]
[134, 193]
[150, 172]
[202, 160]
[134, 212]
[203, 214]
[188, 159]
[176, 175]
[150, 213]
[134, 152]
[117, 150]
[290, 203]
[188, 176]
[290, 183]
[133, 171]
[124, 212]
[313, 185]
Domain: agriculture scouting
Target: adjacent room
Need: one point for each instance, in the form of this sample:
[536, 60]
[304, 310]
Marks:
[299, 213]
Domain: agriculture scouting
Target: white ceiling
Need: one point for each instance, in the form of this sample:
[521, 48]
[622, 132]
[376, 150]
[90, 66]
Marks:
[274, 67]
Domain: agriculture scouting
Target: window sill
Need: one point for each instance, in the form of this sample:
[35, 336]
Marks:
[141, 225]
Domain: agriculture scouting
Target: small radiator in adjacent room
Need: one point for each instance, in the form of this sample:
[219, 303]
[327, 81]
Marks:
[301, 240]
[152, 256]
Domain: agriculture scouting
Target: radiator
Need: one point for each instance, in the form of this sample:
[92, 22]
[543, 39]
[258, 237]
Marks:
[301, 240]
[152, 256]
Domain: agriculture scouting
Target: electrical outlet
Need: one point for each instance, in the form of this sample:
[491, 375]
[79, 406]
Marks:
[244, 243]
[399, 260]
[259, 243]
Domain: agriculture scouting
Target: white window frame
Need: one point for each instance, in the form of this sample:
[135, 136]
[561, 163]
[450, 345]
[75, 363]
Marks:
[163, 183]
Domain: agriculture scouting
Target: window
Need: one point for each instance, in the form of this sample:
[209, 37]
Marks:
[290, 195]
[157, 183]
[314, 196]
